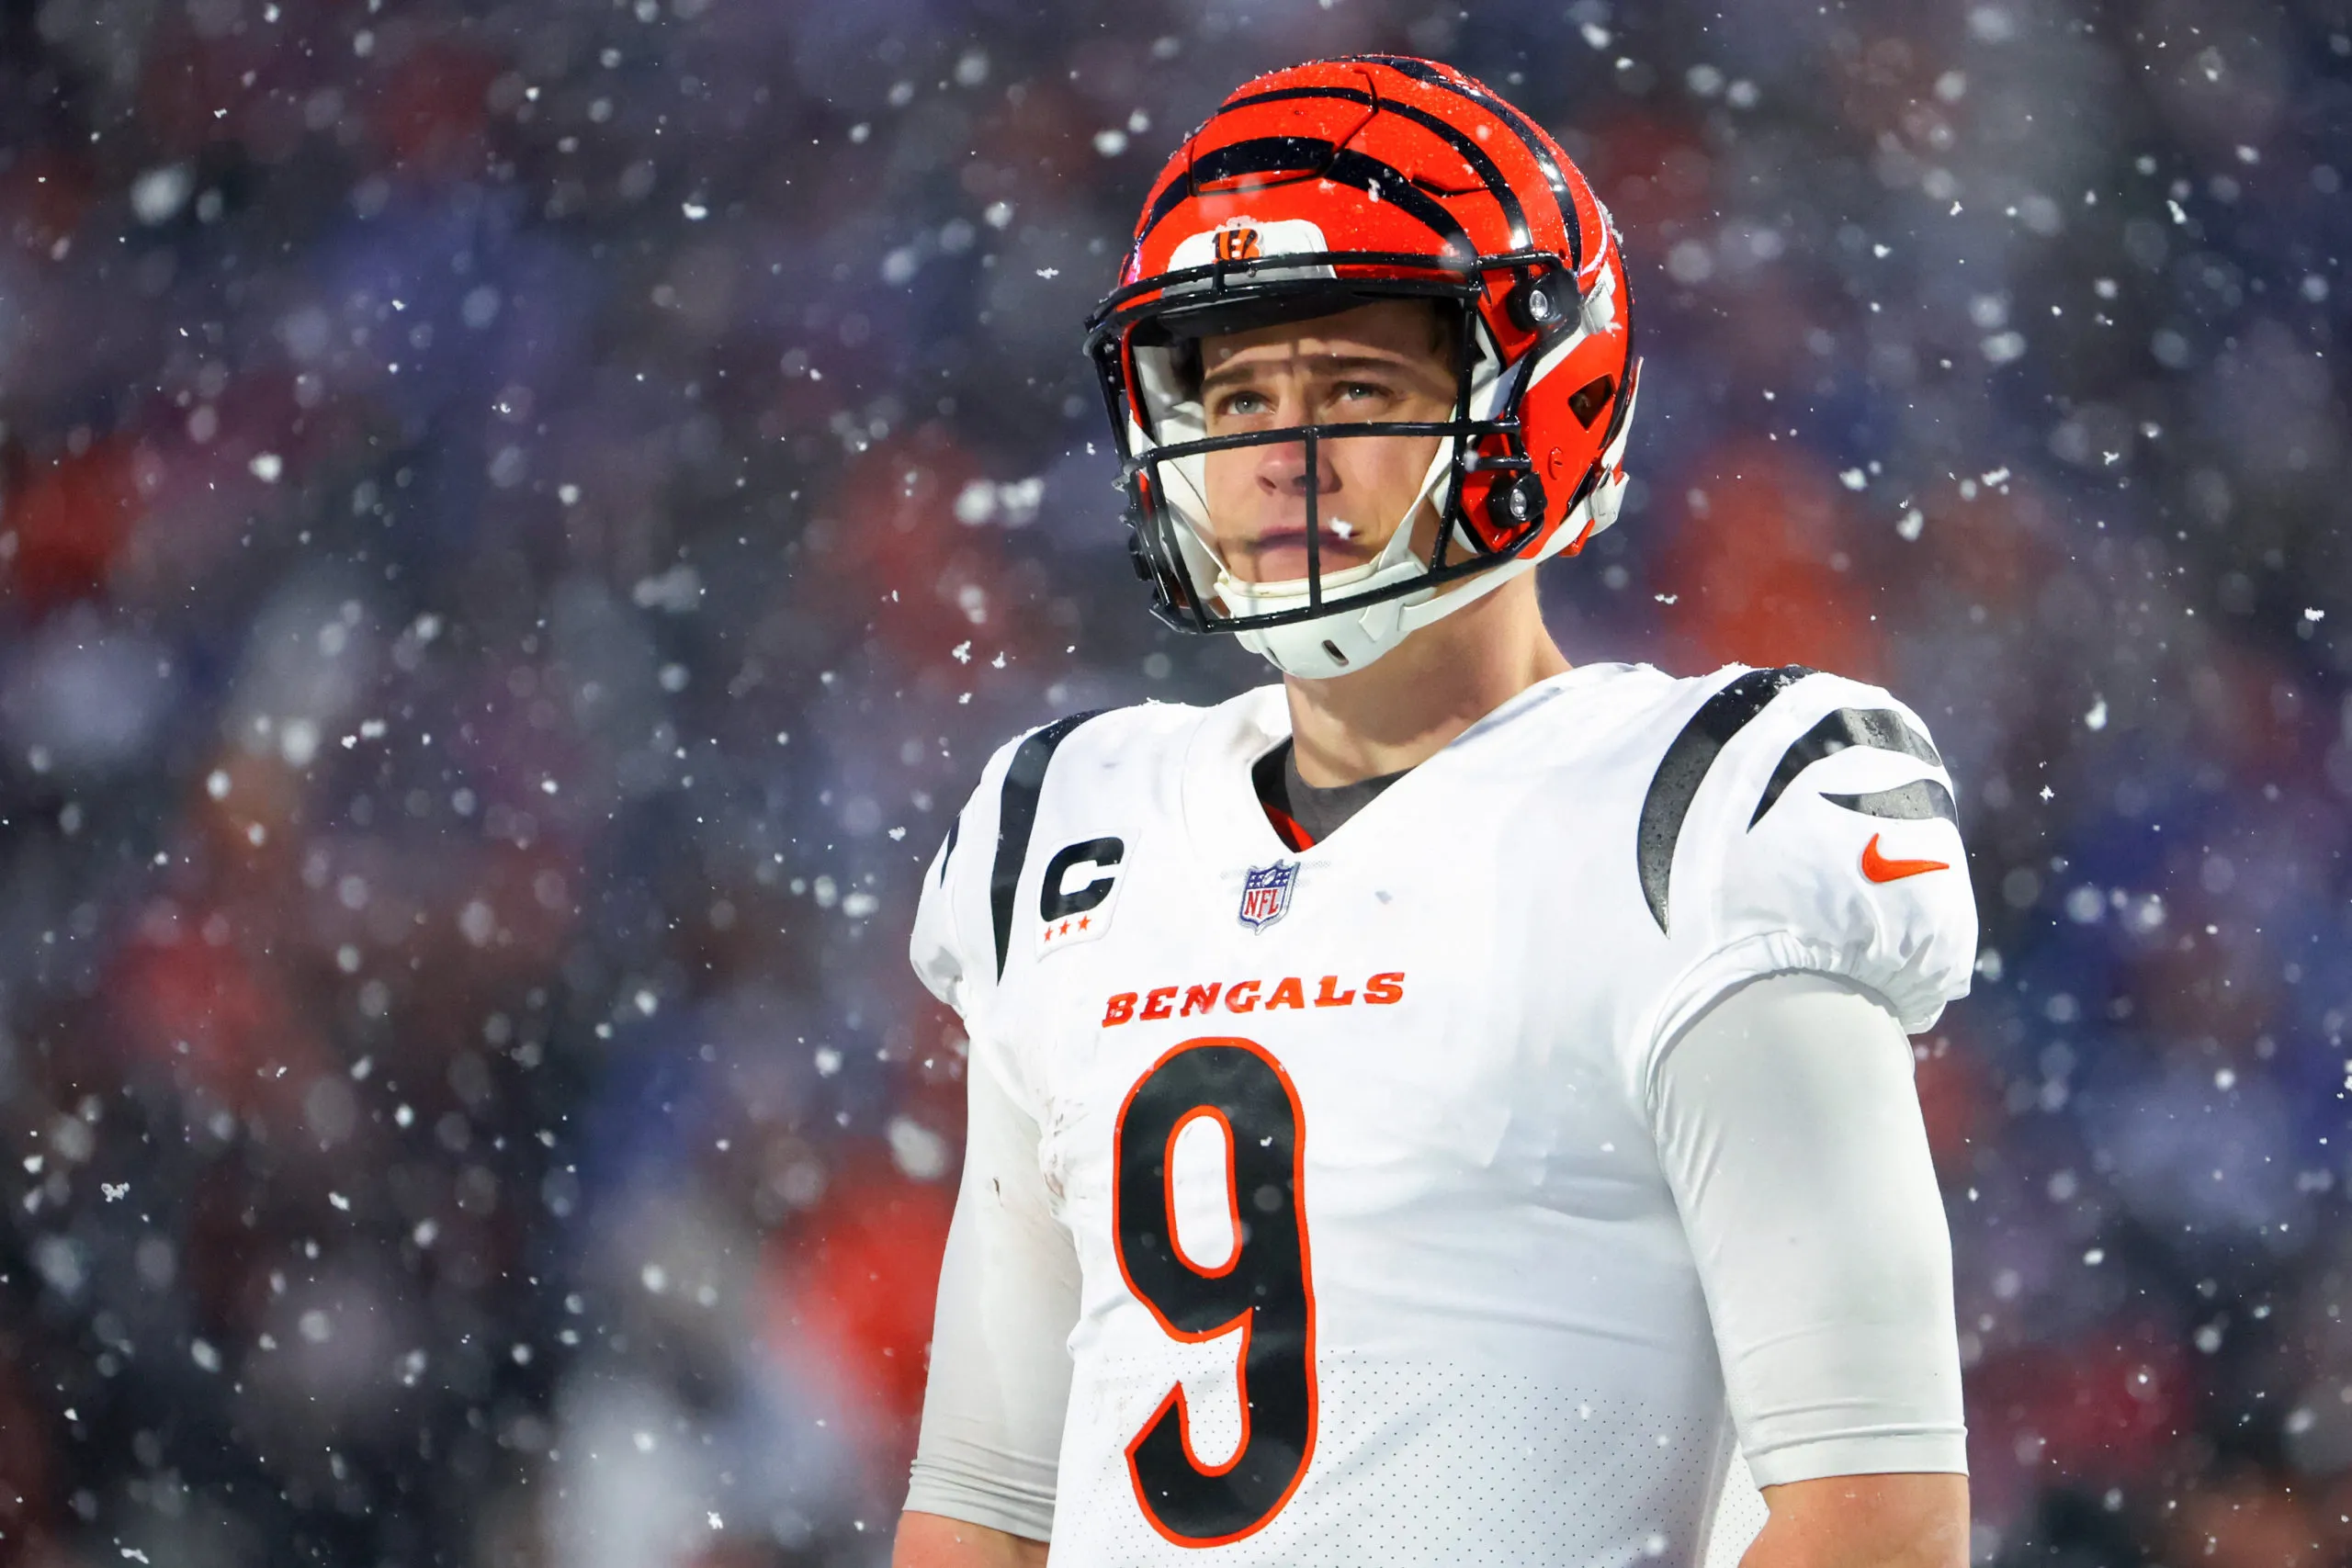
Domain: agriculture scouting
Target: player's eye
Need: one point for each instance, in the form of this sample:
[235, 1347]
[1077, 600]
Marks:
[1242, 403]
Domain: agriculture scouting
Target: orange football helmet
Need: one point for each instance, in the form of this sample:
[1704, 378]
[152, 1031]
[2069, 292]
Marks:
[1322, 187]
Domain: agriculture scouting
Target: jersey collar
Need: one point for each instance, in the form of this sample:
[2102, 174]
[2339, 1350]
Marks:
[1222, 814]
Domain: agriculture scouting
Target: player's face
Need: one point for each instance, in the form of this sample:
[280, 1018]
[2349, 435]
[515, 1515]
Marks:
[1388, 361]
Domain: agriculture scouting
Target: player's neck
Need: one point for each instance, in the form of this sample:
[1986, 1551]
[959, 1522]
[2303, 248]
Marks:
[1401, 711]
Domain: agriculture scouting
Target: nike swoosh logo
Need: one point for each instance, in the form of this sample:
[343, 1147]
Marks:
[1878, 868]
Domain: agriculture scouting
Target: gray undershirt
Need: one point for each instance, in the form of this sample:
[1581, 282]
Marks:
[1318, 810]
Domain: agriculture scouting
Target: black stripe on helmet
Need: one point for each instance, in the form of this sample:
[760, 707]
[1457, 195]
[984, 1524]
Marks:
[1341, 166]
[1519, 125]
[1498, 184]
[1265, 154]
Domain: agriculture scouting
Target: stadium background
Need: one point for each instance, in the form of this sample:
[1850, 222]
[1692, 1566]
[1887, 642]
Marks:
[518, 522]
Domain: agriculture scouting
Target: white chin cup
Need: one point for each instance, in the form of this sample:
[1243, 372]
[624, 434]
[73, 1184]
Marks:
[1344, 638]
[1349, 637]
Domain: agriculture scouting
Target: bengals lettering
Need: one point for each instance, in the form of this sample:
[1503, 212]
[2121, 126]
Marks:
[1249, 995]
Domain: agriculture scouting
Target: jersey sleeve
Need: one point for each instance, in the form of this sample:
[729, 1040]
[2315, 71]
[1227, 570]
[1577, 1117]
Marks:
[1000, 1370]
[999, 1383]
[1824, 838]
[953, 946]
[1789, 1128]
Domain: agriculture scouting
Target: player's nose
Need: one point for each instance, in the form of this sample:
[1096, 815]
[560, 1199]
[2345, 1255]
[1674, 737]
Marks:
[1282, 469]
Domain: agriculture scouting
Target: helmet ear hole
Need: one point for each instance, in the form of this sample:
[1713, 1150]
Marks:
[1512, 507]
[1537, 303]
[1586, 401]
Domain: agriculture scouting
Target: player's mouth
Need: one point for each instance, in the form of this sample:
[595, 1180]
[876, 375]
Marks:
[1279, 555]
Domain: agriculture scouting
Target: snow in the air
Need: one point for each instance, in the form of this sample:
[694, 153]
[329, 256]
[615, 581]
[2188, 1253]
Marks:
[519, 527]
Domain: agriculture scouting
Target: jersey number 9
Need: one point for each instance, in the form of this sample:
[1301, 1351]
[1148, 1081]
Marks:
[1263, 1289]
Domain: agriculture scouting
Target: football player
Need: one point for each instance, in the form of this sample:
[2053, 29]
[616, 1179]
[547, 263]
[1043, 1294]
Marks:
[1448, 1106]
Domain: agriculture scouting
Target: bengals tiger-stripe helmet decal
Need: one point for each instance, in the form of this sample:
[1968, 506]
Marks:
[1327, 185]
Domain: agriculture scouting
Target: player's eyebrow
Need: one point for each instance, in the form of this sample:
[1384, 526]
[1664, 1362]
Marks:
[1244, 370]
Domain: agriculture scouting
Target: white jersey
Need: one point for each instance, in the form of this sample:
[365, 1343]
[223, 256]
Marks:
[1354, 1146]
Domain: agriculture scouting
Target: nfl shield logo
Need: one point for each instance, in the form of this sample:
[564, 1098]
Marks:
[1265, 894]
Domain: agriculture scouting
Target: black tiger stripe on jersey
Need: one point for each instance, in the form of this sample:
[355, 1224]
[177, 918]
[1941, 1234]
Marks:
[1881, 729]
[948, 850]
[1017, 818]
[1918, 801]
[1684, 767]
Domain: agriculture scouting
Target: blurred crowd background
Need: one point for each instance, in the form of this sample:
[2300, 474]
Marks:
[519, 523]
